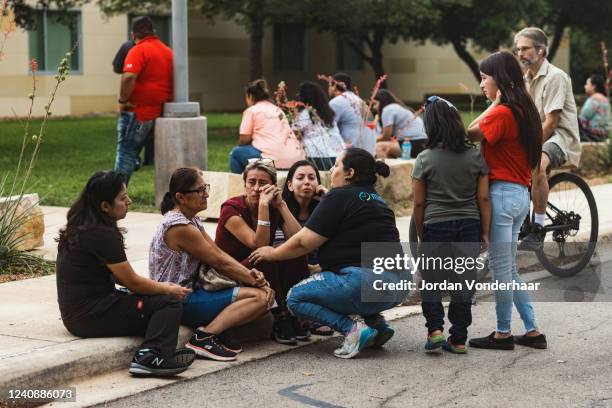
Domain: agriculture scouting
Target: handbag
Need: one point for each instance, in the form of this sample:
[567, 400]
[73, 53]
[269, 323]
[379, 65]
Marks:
[211, 280]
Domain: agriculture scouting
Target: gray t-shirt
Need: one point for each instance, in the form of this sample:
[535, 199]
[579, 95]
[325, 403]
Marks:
[452, 183]
[405, 123]
[349, 110]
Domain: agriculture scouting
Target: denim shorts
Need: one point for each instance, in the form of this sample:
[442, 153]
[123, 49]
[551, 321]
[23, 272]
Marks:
[201, 307]
[555, 154]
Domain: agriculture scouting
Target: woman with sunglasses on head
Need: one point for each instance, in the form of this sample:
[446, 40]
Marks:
[264, 132]
[451, 205]
[249, 221]
[510, 132]
[179, 246]
[399, 124]
[351, 213]
[91, 258]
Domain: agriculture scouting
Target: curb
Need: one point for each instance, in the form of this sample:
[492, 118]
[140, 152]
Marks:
[76, 360]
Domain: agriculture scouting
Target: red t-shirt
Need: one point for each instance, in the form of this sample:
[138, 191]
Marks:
[501, 147]
[237, 206]
[152, 61]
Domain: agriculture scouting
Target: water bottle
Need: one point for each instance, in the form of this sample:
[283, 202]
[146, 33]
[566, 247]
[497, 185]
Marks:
[406, 148]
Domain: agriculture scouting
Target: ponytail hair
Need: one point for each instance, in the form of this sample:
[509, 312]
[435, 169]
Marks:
[366, 168]
[182, 180]
[258, 90]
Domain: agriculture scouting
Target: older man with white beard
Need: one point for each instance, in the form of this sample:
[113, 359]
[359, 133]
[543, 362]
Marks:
[551, 90]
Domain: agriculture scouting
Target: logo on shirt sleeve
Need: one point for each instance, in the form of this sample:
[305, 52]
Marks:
[128, 66]
[365, 196]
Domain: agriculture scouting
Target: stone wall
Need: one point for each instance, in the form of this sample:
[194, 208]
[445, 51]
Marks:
[591, 163]
[33, 229]
[395, 189]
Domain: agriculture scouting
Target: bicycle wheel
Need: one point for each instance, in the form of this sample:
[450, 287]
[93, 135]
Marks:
[572, 225]
[413, 241]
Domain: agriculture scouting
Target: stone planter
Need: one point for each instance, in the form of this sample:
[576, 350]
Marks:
[33, 229]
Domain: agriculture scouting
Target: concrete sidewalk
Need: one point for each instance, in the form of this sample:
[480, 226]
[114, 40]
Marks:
[37, 351]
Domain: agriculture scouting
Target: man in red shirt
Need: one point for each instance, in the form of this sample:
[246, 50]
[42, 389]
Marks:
[146, 84]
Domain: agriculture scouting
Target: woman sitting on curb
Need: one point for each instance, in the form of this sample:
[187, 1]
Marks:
[179, 246]
[302, 192]
[249, 221]
[91, 258]
[351, 213]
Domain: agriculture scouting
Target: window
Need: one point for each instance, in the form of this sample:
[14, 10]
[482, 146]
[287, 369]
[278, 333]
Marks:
[347, 59]
[52, 35]
[161, 24]
[289, 47]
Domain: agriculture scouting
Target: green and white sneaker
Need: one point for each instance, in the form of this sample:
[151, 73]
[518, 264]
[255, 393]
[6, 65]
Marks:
[360, 337]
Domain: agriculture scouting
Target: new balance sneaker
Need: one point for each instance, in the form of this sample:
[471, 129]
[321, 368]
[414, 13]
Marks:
[208, 346]
[300, 331]
[230, 342]
[283, 332]
[360, 337]
[434, 342]
[147, 362]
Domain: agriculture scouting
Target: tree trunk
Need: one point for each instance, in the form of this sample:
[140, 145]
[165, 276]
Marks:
[466, 57]
[375, 59]
[377, 56]
[557, 37]
[256, 45]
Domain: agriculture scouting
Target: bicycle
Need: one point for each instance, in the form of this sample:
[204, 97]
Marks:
[571, 208]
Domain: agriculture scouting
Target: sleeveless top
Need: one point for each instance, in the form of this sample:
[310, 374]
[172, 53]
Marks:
[168, 265]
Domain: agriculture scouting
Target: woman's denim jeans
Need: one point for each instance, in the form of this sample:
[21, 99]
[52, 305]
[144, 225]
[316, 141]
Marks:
[240, 155]
[329, 297]
[509, 207]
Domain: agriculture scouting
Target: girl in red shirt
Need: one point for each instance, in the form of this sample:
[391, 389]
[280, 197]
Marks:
[510, 133]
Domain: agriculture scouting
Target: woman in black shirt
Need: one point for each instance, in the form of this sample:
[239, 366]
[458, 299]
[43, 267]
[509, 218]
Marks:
[91, 258]
[351, 213]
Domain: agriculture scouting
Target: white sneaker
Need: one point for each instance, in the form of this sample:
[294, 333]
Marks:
[360, 337]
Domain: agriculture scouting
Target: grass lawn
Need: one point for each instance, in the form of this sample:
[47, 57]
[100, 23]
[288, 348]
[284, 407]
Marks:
[73, 149]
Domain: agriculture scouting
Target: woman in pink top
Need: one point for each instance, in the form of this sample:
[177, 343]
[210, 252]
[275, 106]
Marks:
[264, 132]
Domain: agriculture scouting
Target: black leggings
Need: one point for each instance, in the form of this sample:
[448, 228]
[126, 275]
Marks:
[156, 317]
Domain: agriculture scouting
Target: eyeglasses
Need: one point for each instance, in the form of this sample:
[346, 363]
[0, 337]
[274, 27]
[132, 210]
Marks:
[259, 160]
[201, 191]
[521, 49]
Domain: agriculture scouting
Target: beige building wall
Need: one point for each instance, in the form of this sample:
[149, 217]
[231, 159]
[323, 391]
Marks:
[219, 67]
[93, 89]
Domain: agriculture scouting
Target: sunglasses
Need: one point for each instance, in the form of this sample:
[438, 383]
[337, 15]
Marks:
[257, 160]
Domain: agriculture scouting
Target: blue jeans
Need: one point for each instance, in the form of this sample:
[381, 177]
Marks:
[240, 155]
[131, 137]
[509, 207]
[201, 307]
[329, 297]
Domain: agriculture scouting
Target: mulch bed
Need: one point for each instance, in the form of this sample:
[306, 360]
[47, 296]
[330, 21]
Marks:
[21, 272]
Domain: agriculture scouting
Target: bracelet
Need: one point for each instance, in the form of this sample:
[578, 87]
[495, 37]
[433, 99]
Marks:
[263, 223]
